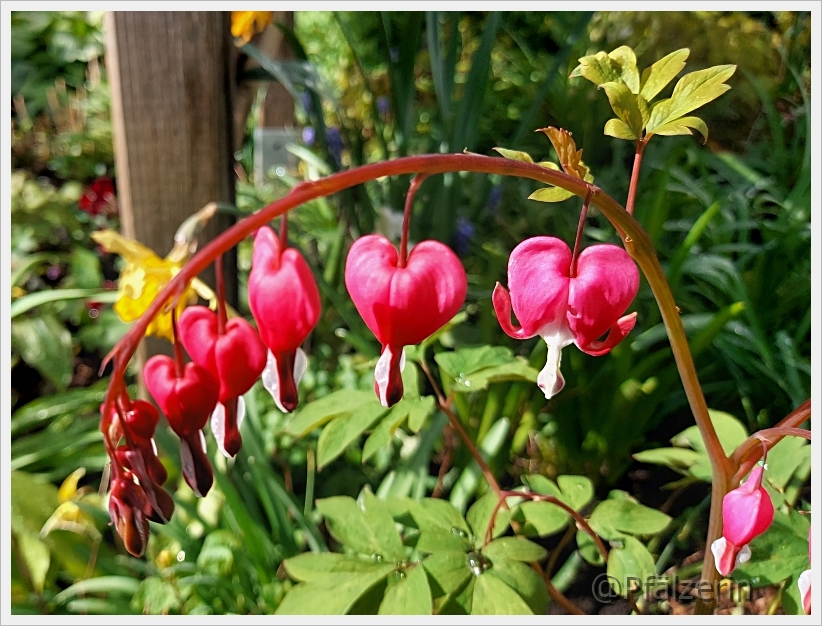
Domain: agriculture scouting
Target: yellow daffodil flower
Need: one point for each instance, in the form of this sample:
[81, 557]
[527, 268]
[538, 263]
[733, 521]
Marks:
[246, 24]
[145, 274]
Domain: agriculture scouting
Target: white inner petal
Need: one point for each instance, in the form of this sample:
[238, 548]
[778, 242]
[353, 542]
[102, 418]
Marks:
[240, 411]
[271, 380]
[744, 555]
[381, 374]
[550, 379]
[718, 549]
[804, 583]
[218, 427]
[300, 365]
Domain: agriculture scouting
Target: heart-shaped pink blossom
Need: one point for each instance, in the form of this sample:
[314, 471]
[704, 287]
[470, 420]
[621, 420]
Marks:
[235, 359]
[285, 302]
[563, 308]
[187, 401]
[402, 305]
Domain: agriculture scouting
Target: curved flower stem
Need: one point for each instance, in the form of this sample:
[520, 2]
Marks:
[640, 148]
[222, 314]
[635, 239]
[580, 228]
[406, 217]
[456, 424]
[748, 453]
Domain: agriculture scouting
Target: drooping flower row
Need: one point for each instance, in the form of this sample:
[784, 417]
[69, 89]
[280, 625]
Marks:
[402, 301]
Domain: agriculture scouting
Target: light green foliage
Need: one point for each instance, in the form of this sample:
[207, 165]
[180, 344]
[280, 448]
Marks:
[630, 98]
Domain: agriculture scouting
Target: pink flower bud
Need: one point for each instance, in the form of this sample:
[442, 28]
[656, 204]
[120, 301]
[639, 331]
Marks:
[235, 359]
[285, 302]
[565, 309]
[187, 402]
[402, 305]
[747, 512]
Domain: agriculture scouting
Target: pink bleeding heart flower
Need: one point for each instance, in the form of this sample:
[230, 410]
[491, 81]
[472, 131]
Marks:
[127, 505]
[187, 401]
[402, 305]
[563, 309]
[285, 302]
[235, 359]
[747, 512]
[804, 582]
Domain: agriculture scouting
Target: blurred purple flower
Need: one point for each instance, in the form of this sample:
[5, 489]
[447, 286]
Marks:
[383, 105]
[335, 143]
[463, 234]
[394, 53]
[54, 272]
[308, 136]
[307, 102]
[494, 199]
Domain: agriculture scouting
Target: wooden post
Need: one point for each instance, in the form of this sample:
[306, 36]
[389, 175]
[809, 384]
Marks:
[172, 83]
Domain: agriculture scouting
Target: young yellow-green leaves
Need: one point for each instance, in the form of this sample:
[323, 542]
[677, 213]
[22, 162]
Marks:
[630, 94]
[569, 158]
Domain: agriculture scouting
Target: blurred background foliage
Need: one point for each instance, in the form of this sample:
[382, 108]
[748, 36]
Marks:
[731, 222]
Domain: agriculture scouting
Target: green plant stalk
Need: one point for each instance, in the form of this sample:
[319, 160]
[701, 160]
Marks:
[635, 239]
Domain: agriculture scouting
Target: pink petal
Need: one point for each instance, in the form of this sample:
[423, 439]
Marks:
[747, 511]
[502, 307]
[403, 306]
[804, 583]
[282, 294]
[607, 281]
[617, 333]
[538, 271]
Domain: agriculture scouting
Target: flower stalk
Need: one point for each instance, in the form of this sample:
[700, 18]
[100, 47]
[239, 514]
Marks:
[635, 241]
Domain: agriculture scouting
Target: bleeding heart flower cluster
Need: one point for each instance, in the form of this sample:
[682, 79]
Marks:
[403, 299]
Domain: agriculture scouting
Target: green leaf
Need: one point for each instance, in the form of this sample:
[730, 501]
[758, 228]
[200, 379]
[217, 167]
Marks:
[598, 68]
[45, 344]
[448, 571]
[784, 459]
[479, 516]
[38, 298]
[440, 515]
[85, 269]
[656, 77]
[626, 60]
[514, 549]
[730, 431]
[109, 585]
[382, 434]
[516, 155]
[334, 595]
[433, 541]
[624, 104]
[466, 361]
[35, 554]
[550, 194]
[524, 580]
[588, 549]
[408, 593]
[154, 595]
[678, 459]
[629, 565]
[577, 491]
[371, 532]
[421, 409]
[611, 518]
[493, 597]
[615, 128]
[683, 126]
[691, 92]
[322, 566]
[342, 431]
[320, 411]
[542, 518]
[779, 552]
[518, 370]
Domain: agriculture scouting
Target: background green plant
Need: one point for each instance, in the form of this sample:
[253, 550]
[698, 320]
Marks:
[730, 223]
